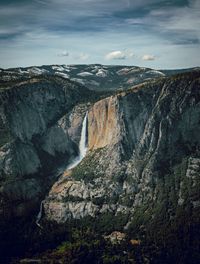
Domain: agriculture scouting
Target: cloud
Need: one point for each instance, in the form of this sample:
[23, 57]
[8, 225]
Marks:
[116, 55]
[63, 54]
[119, 55]
[148, 57]
[176, 21]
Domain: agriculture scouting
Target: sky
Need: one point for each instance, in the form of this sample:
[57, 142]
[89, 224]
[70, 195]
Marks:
[162, 34]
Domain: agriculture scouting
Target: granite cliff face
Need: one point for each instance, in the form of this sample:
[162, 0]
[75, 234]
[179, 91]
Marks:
[103, 123]
[143, 155]
[31, 113]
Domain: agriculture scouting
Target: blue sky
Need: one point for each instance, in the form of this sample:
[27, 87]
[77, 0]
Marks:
[150, 33]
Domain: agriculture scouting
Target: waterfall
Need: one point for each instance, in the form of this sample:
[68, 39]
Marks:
[39, 216]
[82, 145]
[83, 140]
[75, 162]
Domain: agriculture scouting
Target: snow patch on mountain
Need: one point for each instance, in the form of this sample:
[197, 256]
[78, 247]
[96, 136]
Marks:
[58, 68]
[133, 70]
[154, 72]
[20, 71]
[85, 74]
[37, 71]
[62, 74]
[102, 73]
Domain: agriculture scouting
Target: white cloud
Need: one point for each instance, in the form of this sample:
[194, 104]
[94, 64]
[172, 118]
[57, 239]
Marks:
[119, 55]
[148, 57]
[64, 54]
[116, 55]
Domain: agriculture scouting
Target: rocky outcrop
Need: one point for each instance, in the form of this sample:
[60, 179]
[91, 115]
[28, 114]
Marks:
[72, 121]
[143, 147]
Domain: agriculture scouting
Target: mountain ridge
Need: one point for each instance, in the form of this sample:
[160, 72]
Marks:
[94, 76]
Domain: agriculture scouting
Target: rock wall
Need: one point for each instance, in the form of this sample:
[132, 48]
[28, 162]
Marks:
[103, 123]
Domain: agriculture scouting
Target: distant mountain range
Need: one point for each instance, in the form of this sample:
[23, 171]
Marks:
[94, 76]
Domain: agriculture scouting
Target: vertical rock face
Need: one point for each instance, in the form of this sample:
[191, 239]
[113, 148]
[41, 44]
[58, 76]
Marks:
[19, 159]
[141, 144]
[103, 123]
[72, 122]
[31, 112]
[56, 140]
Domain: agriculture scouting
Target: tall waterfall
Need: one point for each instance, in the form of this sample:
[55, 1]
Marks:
[75, 162]
[82, 145]
[83, 140]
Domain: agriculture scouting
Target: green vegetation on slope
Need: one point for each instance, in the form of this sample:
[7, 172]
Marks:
[87, 169]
